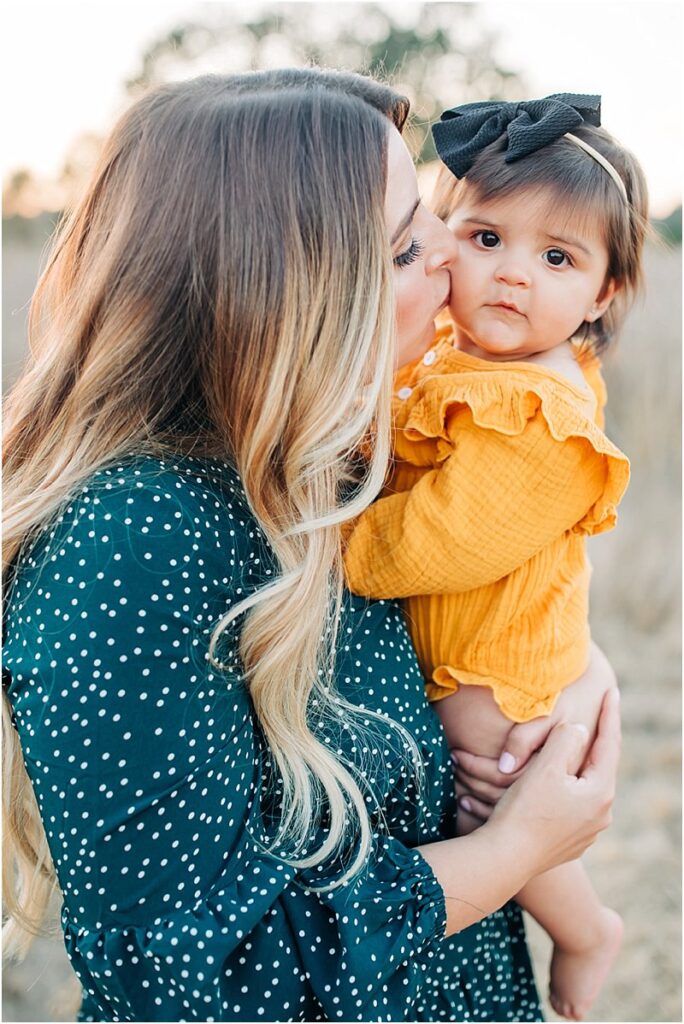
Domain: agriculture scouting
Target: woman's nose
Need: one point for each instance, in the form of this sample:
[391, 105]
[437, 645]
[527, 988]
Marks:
[513, 273]
[442, 248]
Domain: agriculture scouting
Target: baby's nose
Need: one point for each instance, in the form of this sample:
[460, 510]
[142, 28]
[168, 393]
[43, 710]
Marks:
[513, 273]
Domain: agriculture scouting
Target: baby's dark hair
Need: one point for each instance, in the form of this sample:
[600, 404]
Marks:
[585, 192]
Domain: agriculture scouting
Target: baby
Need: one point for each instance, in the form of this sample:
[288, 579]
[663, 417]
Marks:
[549, 213]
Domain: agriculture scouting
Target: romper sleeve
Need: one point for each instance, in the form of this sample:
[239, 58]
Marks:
[148, 770]
[517, 462]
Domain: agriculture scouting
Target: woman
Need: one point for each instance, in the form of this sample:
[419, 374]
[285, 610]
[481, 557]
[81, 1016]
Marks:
[246, 800]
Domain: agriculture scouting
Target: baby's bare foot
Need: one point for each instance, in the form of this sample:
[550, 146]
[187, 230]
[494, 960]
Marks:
[577, 975]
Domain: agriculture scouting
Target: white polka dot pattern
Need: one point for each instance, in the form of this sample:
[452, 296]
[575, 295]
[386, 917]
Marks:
[149, 773]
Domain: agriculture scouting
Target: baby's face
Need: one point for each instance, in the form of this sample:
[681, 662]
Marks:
[525, 279]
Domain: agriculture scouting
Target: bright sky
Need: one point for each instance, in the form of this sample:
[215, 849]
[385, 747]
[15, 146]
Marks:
[63, 67]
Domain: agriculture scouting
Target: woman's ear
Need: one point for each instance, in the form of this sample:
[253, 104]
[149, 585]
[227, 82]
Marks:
[605, 297]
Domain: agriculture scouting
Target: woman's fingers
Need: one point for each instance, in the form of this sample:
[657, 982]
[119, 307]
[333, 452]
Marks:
[602, 761]
[477, 808]
[566, 747]
[522, 741]
[483, 790]
[484, 769]
[465, 787]
[480, 790]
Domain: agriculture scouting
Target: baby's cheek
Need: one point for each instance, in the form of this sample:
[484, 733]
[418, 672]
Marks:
[461, 293]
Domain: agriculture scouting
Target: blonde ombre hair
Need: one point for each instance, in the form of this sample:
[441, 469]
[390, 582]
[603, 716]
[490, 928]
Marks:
[224, 288]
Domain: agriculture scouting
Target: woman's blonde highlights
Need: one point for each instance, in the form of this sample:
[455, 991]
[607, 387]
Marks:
[294, 432]
[232, 240]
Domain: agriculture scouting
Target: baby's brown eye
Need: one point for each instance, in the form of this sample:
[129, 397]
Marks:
[556, 257]
[488, 239]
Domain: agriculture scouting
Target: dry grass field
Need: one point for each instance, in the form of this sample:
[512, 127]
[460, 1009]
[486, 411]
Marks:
[636, 617]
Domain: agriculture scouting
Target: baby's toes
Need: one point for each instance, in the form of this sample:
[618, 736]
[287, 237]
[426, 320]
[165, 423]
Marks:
[562, 1007]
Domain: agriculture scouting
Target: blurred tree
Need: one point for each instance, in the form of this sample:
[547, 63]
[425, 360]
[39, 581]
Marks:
[80, 159]
[26, 194]
[15, 190]
[436, 53]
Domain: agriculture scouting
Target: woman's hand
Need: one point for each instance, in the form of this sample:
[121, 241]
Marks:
[480, 783]
[550, 815]
[484, 780]
[563, 800]
[580, 702]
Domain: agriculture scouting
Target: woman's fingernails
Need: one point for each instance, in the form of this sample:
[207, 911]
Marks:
[506, 763]
[454, 758]
[466, 804]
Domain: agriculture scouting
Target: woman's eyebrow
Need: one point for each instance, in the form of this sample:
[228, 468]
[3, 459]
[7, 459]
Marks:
[405, 222]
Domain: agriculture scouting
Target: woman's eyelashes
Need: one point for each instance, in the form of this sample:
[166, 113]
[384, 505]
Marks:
[414, 250]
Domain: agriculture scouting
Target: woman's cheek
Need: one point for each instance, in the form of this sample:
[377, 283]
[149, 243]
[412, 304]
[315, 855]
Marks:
[410, 300]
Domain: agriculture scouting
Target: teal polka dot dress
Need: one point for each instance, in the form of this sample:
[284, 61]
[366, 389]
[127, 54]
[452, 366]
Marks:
[149, 771]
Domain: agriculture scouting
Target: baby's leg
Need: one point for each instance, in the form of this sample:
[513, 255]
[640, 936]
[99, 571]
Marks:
[586, 935]
[472, 721]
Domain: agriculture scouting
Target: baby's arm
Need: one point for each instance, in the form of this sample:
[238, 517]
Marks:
[477, 533]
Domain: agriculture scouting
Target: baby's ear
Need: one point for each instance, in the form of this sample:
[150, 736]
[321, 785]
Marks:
[605, 297]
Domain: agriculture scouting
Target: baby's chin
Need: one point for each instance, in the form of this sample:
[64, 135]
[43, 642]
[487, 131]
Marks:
[503, 352]
[494, 347]
[496, 340]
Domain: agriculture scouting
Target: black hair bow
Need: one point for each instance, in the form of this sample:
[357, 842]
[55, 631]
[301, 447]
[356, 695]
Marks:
[463, 132]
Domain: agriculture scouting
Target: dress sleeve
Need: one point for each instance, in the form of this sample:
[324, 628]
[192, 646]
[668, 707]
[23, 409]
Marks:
[518, 462]
[148, 770]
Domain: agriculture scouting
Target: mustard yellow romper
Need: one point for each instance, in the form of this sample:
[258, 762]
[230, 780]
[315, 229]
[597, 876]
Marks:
[501, 471]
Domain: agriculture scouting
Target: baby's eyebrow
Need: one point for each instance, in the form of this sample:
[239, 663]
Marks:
[572, 242]
[480, 220]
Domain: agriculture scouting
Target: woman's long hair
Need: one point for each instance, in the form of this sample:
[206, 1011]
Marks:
[224, 287]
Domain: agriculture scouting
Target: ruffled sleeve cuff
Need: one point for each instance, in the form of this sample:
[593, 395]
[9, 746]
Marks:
[390, 921]
[505, 401]
[364, 948]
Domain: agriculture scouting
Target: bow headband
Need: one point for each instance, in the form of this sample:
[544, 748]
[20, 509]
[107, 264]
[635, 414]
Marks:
[464, 131]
